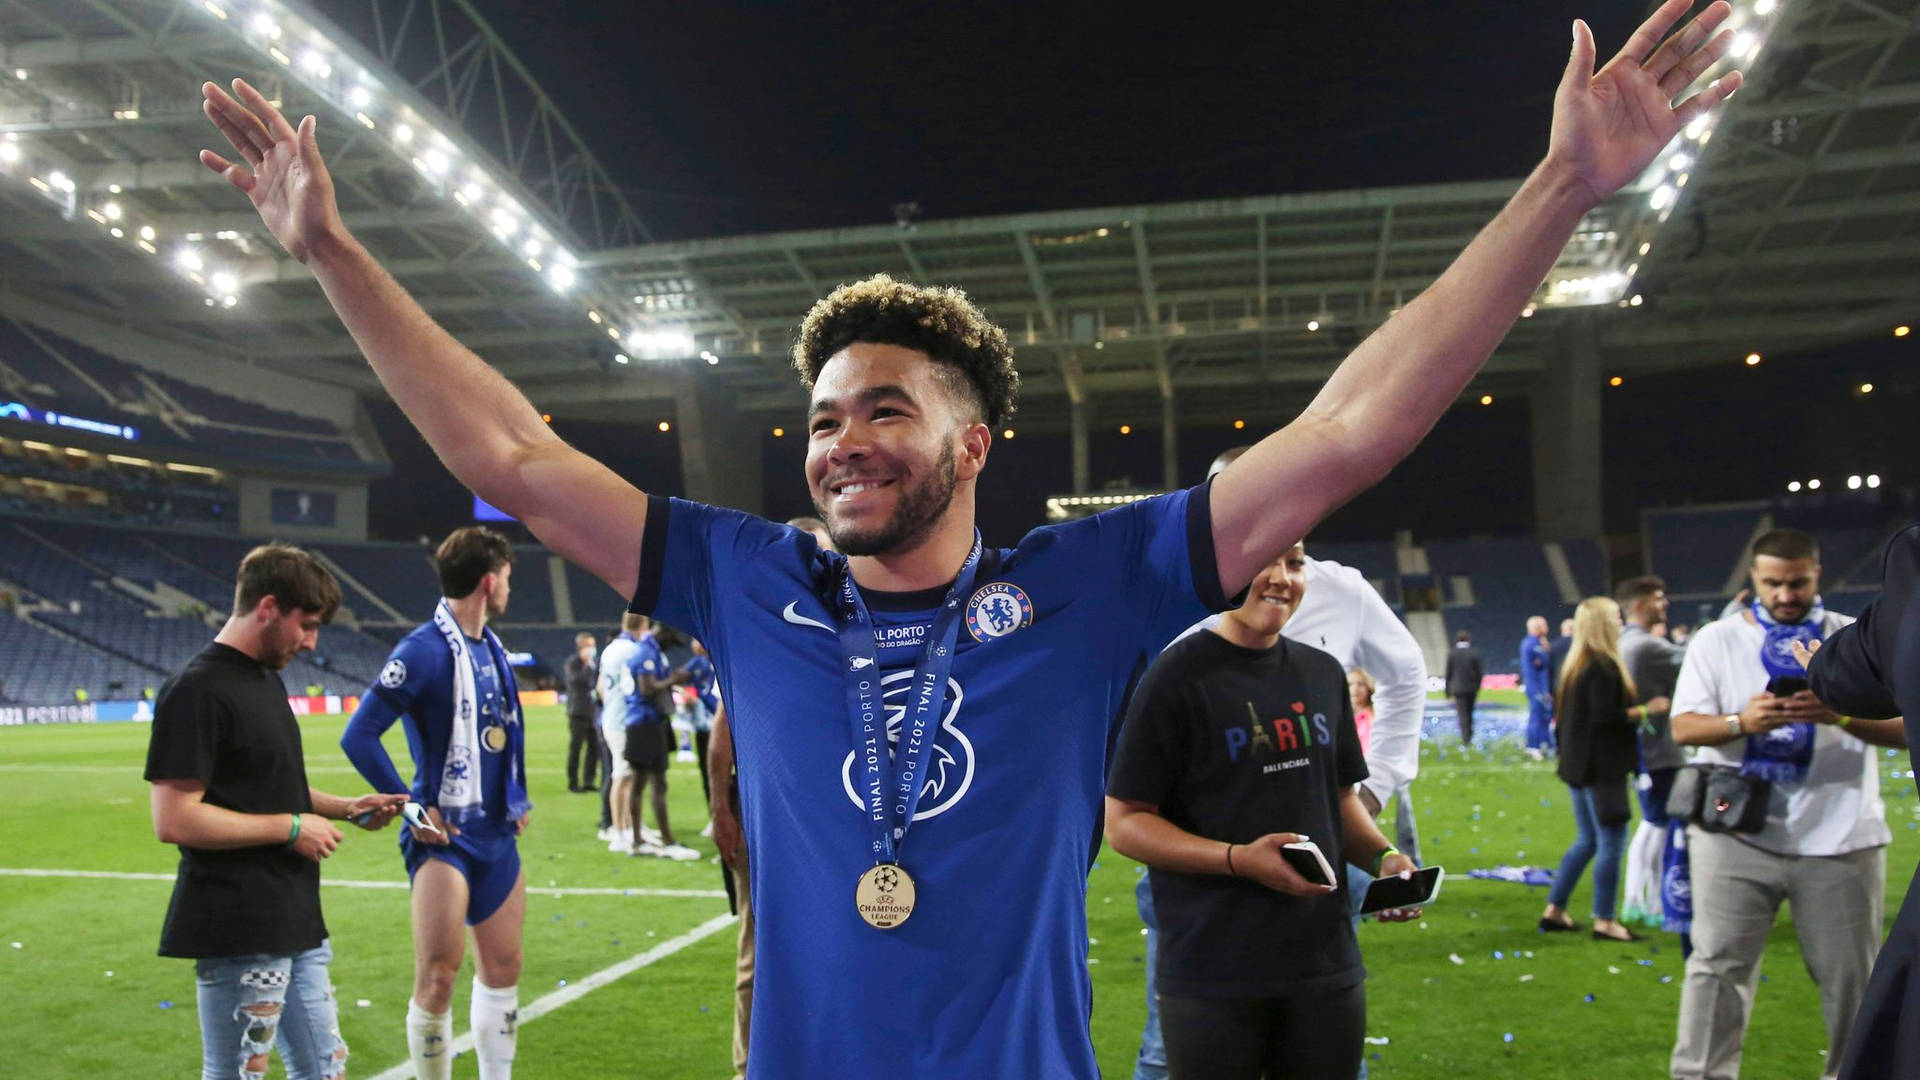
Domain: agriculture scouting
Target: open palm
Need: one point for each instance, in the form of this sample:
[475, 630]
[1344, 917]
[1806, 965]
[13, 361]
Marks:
[288, 183]
[1607, 125]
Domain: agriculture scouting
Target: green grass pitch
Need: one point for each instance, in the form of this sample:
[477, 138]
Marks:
[88, 997]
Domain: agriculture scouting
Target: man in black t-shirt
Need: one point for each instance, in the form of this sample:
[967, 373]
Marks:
[230, 789]
[1236, 743]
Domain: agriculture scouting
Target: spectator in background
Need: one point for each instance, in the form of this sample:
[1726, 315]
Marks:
[229, 787]
[1536, 680]
[1823, 845]
[580, 674]
[1237, 742]
[1680, 634]
[1463, 682]
[1596, 703]
[1872, 669]
[1654, 666]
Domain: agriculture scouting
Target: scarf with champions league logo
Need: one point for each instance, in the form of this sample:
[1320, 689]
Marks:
[1785, 752]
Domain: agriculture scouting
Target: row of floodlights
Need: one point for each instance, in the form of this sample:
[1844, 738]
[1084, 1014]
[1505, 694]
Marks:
[1854, 483]
[222, 284]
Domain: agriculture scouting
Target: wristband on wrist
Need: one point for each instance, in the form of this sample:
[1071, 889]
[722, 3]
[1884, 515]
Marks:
[1231, 872]
[1380, 859]
[1735, 725]
[294, 833]
[1845, 720]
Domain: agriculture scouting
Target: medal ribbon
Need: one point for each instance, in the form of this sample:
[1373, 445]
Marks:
[889, 786]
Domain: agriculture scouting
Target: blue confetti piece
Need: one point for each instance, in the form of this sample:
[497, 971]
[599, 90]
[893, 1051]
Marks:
[1644, 963]
[166, 1004]
[1508, 1037]
[557, 918]
[563, 982]
[1664, 979]
[1473, 851]
[1766, 978]
[1376, 1055]
[1588, 999]
[1498, 955]
[583, 922]
[703, 1008]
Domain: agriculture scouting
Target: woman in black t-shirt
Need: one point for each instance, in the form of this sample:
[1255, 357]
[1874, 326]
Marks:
[1596, 705]
[1236, 743]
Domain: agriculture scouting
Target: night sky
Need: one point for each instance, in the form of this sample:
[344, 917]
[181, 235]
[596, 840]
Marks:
[724, 118]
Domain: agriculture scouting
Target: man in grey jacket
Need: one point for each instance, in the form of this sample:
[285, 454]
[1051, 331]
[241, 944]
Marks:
[1654, 664]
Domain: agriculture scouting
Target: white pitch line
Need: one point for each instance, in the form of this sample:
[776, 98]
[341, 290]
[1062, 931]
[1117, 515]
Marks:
[574, 991]
[343, 883]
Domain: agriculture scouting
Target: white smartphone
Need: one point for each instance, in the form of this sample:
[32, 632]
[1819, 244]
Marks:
[1308, 862]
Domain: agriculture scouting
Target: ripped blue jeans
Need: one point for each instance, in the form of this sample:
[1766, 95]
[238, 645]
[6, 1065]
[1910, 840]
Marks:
[250, 1004]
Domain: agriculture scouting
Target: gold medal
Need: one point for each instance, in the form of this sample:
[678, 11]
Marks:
[495, 737]
[885, 896]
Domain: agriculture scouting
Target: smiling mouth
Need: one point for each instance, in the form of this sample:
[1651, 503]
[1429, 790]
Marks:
[851, 488]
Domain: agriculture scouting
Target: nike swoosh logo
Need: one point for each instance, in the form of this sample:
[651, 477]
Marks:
[798, 619]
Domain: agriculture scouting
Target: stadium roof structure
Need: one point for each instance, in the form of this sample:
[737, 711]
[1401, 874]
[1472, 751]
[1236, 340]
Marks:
[1786, 223]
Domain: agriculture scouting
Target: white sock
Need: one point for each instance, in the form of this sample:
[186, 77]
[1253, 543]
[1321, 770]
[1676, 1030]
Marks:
[495, 1017]
[429, 1042]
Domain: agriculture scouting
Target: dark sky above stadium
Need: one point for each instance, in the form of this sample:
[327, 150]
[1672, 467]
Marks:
[726, 117]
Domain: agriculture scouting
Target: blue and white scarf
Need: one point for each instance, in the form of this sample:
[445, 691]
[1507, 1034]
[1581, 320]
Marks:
[459, 794]
[1786, 752]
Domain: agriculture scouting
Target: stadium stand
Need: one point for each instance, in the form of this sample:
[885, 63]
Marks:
[47, 371]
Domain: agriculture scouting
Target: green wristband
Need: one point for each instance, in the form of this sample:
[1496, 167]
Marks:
[294, 833]
[1380, 859]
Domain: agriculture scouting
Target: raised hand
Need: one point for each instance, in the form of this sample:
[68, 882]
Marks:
[288, 183]
[1607, 125]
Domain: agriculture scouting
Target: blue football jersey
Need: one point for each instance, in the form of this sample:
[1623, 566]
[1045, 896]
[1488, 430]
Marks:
[988, 977]
[416, 686]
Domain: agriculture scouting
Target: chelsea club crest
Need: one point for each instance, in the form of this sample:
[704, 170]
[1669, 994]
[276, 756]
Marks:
[996, 610]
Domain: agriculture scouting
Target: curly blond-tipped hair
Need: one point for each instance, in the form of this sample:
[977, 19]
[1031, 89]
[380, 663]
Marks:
[971, 352]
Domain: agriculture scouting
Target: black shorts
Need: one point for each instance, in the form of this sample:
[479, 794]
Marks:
[647, 747]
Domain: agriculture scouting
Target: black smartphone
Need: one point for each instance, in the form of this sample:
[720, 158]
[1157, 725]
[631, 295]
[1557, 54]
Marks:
[1785, 685]
[1418, 889]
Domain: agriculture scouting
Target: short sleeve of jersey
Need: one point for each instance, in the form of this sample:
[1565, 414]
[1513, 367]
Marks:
[410, 668]
[186, 730]
[689, 555]
[1161, 552]
[1150, 761]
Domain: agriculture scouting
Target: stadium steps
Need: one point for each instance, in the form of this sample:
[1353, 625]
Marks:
[338, 571]
[90, 645]
[562, 594]
[205, 577]
[1562, 572]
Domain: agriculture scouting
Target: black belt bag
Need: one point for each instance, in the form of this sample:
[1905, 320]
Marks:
[1719, 798]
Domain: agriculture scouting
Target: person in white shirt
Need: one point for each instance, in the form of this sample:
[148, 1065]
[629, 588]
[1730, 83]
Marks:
[1341, 614]
[1823, 846]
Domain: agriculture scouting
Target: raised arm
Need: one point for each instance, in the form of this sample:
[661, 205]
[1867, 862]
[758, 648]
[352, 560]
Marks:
[485, 430]
[1391, 391]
